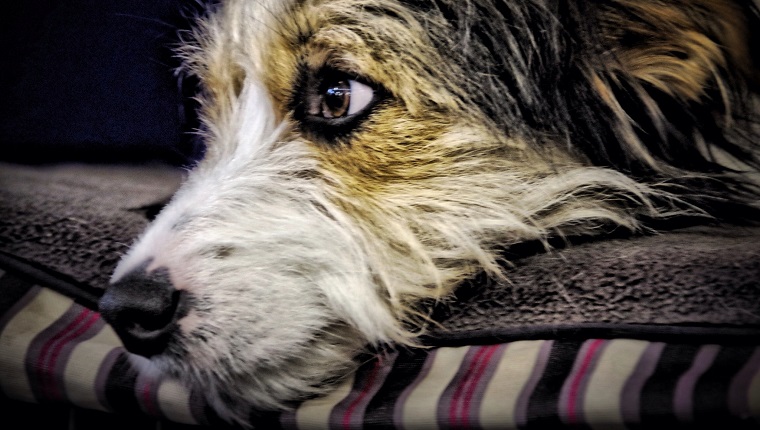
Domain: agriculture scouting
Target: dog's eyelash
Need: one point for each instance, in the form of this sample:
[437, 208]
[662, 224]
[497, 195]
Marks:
[331, 104]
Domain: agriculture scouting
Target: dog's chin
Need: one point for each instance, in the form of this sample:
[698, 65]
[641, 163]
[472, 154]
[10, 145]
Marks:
[236, 385]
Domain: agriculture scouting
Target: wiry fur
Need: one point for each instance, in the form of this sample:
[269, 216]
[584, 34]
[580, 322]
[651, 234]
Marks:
[503, 122]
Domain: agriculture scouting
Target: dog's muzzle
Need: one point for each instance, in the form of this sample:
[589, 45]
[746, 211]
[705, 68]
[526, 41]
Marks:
[143, 308]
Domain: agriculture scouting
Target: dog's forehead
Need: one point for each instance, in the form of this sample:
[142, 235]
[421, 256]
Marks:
[383, 41]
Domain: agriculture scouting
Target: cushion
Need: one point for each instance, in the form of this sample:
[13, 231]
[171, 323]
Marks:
[651, 330]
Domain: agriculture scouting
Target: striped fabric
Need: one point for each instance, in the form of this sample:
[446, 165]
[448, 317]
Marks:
[52, 350]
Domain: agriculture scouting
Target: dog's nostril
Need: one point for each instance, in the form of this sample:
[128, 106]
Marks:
[150, 319]
[143, 308]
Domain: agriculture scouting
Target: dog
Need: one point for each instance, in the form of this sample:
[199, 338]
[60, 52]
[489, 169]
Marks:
[365, 157]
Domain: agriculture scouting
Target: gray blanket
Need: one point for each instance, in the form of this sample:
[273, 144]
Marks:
[687, 278]
[77, 220]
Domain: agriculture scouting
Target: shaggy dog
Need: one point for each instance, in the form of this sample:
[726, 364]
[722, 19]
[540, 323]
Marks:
[366, 156]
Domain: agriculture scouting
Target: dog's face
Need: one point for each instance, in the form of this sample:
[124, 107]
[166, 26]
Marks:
[366, 155]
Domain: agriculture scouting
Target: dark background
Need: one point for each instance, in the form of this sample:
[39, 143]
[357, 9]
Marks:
[95, 81]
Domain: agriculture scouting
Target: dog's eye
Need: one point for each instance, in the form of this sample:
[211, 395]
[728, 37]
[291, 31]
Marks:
[330, 105]
[338, 98]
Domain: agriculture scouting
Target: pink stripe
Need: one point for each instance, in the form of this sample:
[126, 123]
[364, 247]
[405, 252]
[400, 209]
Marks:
[454, 405]
[147, 398]
[92, 319]
[47, 361]
[474, 385]
[576, 383]
[365, 391]
[471, 384]
[42, 359]
[463, 386]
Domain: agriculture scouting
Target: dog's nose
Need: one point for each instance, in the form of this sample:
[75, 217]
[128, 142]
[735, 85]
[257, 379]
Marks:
[143, 309]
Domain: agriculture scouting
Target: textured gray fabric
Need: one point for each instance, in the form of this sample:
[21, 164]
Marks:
[79, 219]
[691, 276]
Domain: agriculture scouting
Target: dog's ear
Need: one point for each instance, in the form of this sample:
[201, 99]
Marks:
[681, 47]
[676, 77]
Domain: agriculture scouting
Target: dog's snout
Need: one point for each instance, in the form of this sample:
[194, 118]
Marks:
[143, 308]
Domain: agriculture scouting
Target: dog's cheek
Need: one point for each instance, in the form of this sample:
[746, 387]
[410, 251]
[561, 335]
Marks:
[288, 272]
[399, 169]
[389, 147]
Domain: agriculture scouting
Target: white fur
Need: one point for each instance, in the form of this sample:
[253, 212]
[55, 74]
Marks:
[295, 270]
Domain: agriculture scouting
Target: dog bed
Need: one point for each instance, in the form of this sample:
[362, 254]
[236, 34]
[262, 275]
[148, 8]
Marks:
[638, 332]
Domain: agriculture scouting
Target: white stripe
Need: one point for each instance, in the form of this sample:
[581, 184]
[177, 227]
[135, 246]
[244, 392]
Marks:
[315, 414]
[601, 402]
[82, 369]
[46, 307]
[497, 410]
[174, 401]
[421, 407]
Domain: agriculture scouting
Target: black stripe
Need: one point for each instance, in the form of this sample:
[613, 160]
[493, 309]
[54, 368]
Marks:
[18, 415]
[657, 394]
[543, 406]
[711, 391]
[213, 421]
[269, 420]
[120, 387]
[681, 334]
[407, 367]
[362, 376]
[13, 289]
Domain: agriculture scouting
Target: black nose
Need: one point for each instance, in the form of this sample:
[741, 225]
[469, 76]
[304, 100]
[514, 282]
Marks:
[143, 308]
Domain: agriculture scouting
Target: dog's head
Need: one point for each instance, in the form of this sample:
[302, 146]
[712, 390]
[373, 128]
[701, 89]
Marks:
[366, 155]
